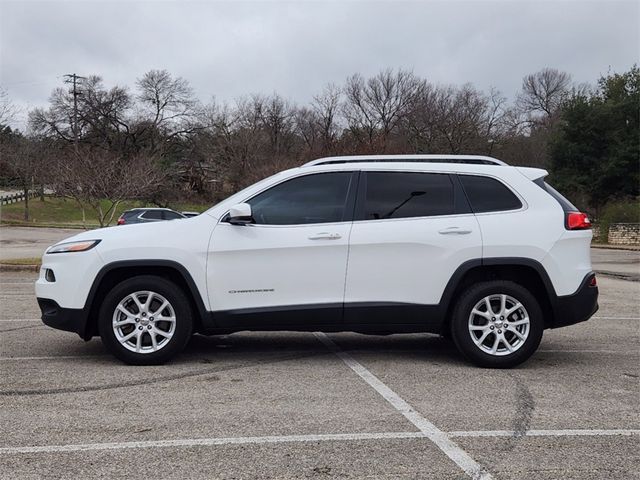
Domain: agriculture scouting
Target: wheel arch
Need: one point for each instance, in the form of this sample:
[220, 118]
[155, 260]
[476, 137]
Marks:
[523, 271]
[113, 273]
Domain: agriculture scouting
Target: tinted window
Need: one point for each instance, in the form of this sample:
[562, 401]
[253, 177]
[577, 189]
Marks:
[171, 215]
[402, 195]
[152, 215]
[566, 205]
[130, 214]
[319, 198]
[488, 194]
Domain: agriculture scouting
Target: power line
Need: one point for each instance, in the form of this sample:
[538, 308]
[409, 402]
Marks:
[73, 79]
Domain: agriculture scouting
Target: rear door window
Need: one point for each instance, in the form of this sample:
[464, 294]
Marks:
[486, 194]
[407, 194]
[168, 215]
[152, 215]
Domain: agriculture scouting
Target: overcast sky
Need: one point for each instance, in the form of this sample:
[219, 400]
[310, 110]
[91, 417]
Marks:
[227, 49]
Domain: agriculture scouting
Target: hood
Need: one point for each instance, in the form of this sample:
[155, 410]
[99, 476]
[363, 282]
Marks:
[141, 234]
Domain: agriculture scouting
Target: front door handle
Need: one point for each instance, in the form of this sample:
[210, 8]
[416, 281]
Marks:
[325, 236]
[454, 231]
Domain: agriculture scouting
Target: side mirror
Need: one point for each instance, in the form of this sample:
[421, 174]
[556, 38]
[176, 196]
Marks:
[240, 214]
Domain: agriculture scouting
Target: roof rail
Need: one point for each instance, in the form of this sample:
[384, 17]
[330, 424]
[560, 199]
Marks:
[468, 159]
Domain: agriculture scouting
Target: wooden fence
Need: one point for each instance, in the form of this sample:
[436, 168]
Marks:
[16, 197]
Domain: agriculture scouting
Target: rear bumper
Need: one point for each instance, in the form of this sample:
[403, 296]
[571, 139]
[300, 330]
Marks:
[67, 319]
[577, 307]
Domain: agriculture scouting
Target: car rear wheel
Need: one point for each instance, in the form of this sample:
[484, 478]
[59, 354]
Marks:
[145, 320]
[497, 324]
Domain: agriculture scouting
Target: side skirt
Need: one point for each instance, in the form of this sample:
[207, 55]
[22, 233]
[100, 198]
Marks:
[366, 317]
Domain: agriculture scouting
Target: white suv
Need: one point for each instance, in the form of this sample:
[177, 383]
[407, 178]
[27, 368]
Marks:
[465, 246]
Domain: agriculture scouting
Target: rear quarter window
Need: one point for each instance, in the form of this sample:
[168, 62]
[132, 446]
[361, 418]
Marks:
[486, 194]
[566, 205]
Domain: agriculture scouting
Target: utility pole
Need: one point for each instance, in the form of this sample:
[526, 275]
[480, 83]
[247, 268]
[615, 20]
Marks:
[73, 79]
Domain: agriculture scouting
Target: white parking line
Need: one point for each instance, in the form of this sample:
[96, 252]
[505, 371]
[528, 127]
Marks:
[38, 319]
[20, 320]
[331, 437]
[433, 433]
[604, 352]
[192, 442]
[67, 357]
[52, 357]
[545, 433]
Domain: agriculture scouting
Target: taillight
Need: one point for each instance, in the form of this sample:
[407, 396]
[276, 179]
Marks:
[121, 221]
[577, 221]
[593, 282]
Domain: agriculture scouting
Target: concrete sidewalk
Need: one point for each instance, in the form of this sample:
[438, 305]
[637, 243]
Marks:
[28, 242]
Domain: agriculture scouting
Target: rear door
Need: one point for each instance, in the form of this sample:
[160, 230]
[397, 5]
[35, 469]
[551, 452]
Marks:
[411, 231]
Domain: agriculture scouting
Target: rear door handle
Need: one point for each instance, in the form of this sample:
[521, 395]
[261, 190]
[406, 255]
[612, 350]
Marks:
[325, 236]
[454, 231]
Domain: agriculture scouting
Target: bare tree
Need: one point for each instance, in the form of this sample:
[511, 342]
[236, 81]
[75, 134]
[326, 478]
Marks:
[25, 159]
[167, 104]
[374, 107]
[326, 107]
[101, 179]
[308, 128]
[454, 120]
[543, 92]
[276, 115]
[98, 116]
[8, 110]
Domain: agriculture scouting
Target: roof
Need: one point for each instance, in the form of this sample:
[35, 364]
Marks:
[431, 158]
[149, 208]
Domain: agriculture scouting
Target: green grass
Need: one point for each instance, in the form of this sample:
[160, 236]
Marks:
[55, 211]
[21, 261]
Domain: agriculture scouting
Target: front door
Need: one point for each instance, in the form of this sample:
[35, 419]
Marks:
[287, 268]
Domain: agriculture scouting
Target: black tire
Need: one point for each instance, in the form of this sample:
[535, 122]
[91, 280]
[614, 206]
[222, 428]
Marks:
[461, 331]
[178, 302]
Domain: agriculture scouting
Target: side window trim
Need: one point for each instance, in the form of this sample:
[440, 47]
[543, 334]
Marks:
[462, 205]
[350, 204]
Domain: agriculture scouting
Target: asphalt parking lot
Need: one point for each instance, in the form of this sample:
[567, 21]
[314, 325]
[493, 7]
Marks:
[290, 405]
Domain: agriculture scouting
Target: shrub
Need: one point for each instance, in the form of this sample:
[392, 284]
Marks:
[620, 211]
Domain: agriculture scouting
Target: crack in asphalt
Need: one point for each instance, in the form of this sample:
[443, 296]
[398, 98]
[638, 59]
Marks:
[630, 277]
[20, 328]
[148, 381]
[525, 405]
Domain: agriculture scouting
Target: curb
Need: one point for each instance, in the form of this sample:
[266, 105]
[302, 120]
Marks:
[48, 225]
[629, 277]
[6, 267]
[632, 248]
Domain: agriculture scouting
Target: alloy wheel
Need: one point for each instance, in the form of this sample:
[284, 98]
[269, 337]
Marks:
[144, 322]
[499, 324]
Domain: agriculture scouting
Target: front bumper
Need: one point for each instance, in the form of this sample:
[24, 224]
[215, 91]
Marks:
[577, 307]
[67, 319]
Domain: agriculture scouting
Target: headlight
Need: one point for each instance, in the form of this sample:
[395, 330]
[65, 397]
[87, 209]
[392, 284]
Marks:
[82, 246]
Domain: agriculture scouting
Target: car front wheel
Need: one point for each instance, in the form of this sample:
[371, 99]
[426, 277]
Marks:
[145, 320]
[497, 324]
